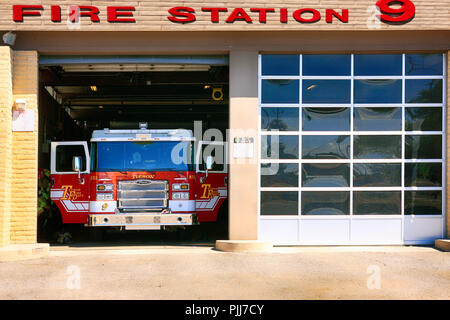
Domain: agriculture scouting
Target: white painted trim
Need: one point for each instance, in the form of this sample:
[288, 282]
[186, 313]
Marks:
[199, 152]
[53, 147]
[97, 206]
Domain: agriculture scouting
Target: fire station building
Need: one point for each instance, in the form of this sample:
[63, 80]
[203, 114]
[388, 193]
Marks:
[334, 112]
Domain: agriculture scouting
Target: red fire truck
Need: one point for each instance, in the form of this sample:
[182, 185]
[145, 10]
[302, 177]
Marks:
[139, 179]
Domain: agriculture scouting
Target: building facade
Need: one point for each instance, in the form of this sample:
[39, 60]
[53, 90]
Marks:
[345, 103]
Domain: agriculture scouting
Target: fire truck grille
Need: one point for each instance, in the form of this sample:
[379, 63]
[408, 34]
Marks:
[142, 195]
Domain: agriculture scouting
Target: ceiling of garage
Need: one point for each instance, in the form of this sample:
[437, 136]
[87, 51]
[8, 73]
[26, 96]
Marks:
[116, 95]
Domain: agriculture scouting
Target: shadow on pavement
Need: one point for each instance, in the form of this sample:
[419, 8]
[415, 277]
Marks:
[78, 236]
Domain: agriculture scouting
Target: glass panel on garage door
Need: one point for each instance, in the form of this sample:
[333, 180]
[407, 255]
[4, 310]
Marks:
[352, 148]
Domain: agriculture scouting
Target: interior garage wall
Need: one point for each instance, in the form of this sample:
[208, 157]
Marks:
[54, 125]
[47, 125]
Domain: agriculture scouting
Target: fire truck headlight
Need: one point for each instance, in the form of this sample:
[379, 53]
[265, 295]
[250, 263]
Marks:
[180, 186]
[180, 196]
[105, 196]
[105, 187]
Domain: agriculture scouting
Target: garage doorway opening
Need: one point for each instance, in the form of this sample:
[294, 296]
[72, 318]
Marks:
[80, 95]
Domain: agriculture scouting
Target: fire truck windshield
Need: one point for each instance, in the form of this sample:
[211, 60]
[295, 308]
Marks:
[142, 156]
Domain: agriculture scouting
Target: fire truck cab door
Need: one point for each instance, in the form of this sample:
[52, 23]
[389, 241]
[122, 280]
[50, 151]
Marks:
[70, 189]
[211, 185]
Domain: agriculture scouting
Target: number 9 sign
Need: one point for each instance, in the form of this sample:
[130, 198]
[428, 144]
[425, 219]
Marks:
[403, 14]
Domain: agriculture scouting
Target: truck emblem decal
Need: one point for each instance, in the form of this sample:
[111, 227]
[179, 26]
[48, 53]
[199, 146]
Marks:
[143, 182]
[70, 193]
[209, 204]
[143, 176]
[208, 192]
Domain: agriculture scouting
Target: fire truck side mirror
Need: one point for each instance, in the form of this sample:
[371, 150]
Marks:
[76, 166]
[209, 166]
[209, 163]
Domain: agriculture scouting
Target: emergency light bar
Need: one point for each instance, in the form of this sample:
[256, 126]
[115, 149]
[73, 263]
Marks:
[142, 135]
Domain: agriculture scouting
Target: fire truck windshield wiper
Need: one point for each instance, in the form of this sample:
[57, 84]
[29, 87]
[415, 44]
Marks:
[127, 170]
[156, 169]
[122, 171]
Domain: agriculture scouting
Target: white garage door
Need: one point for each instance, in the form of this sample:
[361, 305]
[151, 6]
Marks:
[352, 148]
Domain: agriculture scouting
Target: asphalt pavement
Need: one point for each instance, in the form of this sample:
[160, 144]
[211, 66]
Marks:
[195, 270]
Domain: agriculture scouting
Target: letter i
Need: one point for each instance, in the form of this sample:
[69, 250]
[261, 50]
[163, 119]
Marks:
[56, 13]
[283, 15]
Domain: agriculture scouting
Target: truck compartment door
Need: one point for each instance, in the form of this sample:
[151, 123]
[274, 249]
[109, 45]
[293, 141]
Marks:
[211, 185]
[70, 189]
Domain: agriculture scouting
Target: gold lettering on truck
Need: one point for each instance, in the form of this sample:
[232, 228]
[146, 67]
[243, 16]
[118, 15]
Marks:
[70, 193]
[150, 176]
[208, 192]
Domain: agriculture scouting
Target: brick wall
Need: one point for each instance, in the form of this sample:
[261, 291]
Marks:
[5, 143]
[151, 15]
[25, 152]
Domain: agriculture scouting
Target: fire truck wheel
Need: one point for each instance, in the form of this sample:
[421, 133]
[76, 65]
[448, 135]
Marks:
[96, 234]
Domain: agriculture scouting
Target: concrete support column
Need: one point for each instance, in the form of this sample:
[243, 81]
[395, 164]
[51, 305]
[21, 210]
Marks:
[6, 101]
[243, 176]
[25, 152]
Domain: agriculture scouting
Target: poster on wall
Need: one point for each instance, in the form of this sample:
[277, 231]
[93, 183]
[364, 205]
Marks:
[23, 120]
[243, 147]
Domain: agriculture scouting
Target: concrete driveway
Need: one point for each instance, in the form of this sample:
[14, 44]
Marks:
[197, 271]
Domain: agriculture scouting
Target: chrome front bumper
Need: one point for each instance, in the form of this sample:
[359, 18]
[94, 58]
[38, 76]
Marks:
[141, 221]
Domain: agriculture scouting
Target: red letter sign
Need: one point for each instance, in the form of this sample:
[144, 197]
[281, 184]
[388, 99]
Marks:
[329, 13]
[262, 13]
[298, 15]
[185, 13]
[283, 15]
[20, 11]
[55, 13]
[239, 14]
[214, 13]
[114, 14]
[84, 11]
[403, 14]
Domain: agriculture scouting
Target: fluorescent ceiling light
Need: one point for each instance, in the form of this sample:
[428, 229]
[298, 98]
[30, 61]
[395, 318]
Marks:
[134, 67]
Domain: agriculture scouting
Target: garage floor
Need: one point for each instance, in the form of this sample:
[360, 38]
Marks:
[197, 271]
